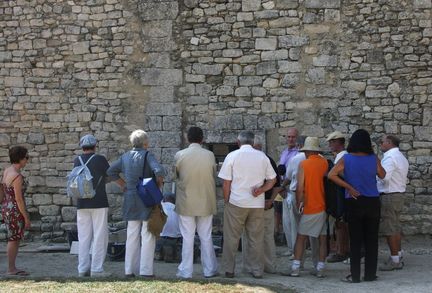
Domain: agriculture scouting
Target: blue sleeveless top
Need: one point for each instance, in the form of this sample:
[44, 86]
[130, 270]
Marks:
[360, 172]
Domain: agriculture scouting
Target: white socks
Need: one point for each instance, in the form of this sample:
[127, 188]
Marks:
[295, 265]
[320, 266]
[395, 258]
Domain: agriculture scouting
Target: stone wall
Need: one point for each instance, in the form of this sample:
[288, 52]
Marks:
[110, 66]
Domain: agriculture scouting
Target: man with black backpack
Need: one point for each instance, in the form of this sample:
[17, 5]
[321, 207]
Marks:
[338, 227]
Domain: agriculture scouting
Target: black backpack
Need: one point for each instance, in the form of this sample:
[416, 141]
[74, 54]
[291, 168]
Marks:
[334, 196]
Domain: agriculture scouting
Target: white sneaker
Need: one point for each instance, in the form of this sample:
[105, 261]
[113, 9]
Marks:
[100, 274]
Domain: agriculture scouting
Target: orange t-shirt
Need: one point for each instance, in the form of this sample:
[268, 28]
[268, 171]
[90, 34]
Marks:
[315, 167]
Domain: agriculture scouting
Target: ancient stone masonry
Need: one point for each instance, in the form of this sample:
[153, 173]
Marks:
[110, 66]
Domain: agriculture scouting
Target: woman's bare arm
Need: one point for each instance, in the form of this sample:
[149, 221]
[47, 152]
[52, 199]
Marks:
[333, 175]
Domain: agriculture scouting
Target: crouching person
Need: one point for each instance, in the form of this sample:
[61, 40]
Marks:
[166, 246]
[311, 205]
[92, 213]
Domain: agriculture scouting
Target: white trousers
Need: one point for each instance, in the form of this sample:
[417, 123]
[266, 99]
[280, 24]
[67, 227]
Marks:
[290, 220]
[92, 226]
[139, 256]
[203, 225]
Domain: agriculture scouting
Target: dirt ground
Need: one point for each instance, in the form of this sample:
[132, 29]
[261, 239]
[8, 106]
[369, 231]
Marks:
[415, 277]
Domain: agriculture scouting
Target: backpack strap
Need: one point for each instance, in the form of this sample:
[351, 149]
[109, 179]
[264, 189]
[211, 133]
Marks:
[145, 163]
[82, 162]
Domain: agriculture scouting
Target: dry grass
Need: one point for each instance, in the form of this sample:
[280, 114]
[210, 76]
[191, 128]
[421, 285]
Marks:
[119, 286]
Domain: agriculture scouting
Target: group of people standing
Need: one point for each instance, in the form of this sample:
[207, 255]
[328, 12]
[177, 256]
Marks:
[251, 182]
[374, 193]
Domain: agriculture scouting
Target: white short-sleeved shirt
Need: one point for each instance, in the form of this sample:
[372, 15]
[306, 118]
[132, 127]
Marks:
[340, 156]
[292, 170]
[396, 166]
[247, 168]
[171, 227]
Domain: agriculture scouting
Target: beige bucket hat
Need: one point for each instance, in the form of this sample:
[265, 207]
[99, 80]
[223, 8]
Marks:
[335, 135]
[311, 144]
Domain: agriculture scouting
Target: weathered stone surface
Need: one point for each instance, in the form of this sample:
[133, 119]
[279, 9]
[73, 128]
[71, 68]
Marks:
[158, 10]
[36, 138]
[251, 5]
[158, 76]
[422, 4]
[49, 210]
[109, 67]
[268, 67]
[325, 60]
[322, 3]
[286, 4]
[205, 69]
[266, 43]
[394, 89]
[69, 214]
[4, 139]
[292, 41]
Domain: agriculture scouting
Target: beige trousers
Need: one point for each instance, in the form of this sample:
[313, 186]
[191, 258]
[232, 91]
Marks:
[251, 220]
[269, 248]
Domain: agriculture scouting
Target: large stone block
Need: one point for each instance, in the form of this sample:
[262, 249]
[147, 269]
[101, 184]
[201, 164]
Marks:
[4, 139]
[265, 44]
[79, 48]
[42, 199]
[49, 210]
[422, 4]
[290, 80]
[274, 55]
[157, 29]
[284, 22]
[251, 5]
[268, 67]
[158, 10]
[36, 138]
[325, 60]
[322, 3]
[161, 76]
[292, 41]
[208, 69]
[286, 4]
[69, 214]
[13, 81]
[163, 109]
[423, 133]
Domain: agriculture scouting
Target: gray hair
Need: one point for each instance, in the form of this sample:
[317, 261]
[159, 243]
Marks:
[258, 141]
[246, 137]
[139, 138]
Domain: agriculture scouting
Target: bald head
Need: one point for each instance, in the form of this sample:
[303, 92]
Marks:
[292, 135]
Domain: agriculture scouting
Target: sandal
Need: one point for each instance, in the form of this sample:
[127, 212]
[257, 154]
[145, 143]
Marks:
[349, 279]
[20, 273]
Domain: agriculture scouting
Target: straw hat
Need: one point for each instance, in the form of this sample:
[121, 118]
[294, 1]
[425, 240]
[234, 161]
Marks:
[311, 144]
[335, 135]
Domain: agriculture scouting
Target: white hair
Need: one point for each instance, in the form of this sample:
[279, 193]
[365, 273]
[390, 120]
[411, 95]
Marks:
[139, 138]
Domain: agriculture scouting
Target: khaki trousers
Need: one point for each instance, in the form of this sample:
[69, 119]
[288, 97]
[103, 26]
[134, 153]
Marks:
[269, 250]
[251, 220]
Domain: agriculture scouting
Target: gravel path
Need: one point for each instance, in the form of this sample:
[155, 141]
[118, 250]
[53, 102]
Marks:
[415, 277]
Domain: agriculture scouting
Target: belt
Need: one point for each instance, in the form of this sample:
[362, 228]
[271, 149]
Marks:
[389, 193]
